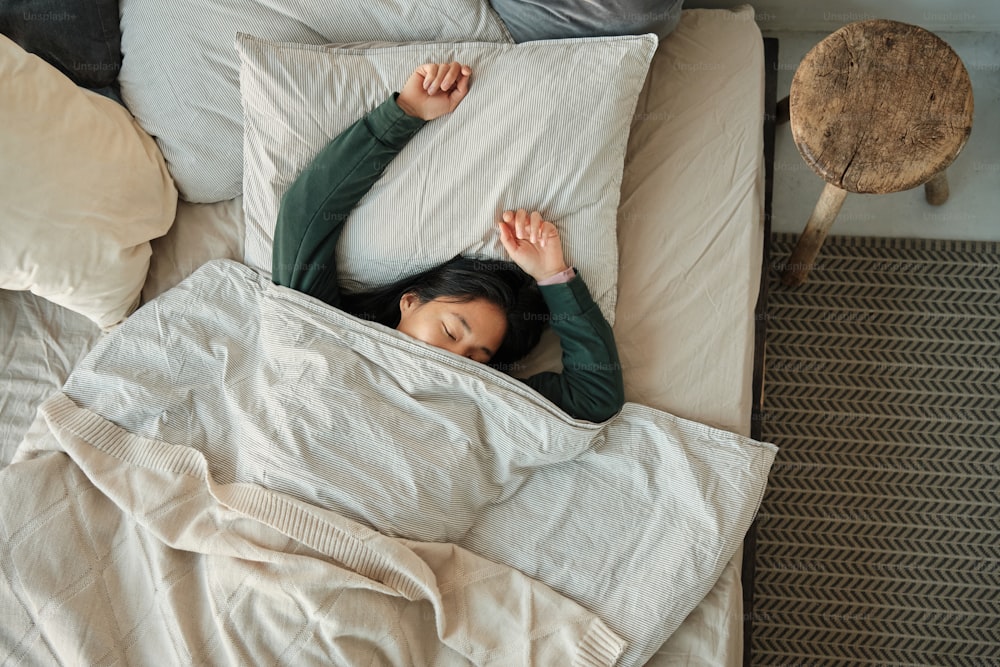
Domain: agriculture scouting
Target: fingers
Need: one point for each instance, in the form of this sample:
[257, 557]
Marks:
[447, 75]
[507, 239]
[442, 76]
[534, 227]
[531, 227]
[427, 72]
[525, 237]
[432, 78]
[462, 85]
[522, 224]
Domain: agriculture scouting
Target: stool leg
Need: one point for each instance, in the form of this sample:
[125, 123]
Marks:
[811, 239]
[936, 190]
[781, 111]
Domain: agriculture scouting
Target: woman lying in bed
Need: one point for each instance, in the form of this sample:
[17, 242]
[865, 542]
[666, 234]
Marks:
[486, 310]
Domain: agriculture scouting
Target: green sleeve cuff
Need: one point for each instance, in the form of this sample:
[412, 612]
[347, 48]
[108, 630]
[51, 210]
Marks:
[568, 298]
[390, 125]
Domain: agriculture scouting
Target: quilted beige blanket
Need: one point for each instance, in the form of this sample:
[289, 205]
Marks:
[240, 474]
[132, 554]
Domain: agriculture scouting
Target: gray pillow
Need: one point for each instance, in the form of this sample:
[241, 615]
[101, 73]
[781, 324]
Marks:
[180, 73]
[560, 19]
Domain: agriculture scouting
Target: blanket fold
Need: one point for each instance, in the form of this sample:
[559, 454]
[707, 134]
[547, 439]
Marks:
[294, 418]
[170, 563]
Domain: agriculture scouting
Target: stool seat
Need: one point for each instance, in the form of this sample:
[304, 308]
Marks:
[880, 106]
[876, 107]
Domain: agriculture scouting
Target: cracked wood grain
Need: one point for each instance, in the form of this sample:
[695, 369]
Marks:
[880, 106]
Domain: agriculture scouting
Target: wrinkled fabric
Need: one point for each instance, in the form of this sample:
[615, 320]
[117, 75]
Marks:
[634, 519]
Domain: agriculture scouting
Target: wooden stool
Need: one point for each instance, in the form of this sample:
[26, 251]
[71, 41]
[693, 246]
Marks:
[876, 107]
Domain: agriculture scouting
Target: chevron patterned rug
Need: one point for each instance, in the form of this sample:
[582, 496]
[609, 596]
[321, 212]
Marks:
[878, 539]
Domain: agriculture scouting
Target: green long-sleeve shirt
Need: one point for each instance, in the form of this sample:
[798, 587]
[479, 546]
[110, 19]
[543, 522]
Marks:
[312, 216]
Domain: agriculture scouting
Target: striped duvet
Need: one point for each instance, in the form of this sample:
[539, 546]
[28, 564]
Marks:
[249, 475]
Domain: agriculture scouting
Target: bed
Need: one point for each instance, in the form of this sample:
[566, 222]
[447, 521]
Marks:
[689, 244]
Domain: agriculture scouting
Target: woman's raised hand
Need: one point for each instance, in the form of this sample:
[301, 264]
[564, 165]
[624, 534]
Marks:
[434, 89]
[533, 243]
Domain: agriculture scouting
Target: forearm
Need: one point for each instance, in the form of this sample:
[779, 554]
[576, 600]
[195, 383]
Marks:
[317, 204]
[590, 386]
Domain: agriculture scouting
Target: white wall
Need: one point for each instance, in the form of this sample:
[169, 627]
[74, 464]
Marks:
[934, 15]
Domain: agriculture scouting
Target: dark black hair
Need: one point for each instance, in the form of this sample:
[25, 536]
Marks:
[464, 279]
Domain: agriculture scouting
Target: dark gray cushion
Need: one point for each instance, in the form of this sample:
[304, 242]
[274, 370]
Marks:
[529, 20]
[81, 38]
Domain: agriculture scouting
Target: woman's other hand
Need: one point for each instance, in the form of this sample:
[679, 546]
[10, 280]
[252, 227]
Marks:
[434, 89]
[533, 243]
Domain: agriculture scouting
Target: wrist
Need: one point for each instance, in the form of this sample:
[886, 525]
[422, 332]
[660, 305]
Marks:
[406, 107]
[546, 275]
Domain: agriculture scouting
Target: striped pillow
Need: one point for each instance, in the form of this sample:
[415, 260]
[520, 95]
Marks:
[553, 140]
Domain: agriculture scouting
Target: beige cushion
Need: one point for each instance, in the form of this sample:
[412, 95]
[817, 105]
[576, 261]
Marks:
[83, 188]
[544, 127]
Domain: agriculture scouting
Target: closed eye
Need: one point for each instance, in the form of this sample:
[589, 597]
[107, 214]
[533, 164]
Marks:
[448, 333]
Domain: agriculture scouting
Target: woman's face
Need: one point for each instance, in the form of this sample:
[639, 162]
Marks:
[472, 329]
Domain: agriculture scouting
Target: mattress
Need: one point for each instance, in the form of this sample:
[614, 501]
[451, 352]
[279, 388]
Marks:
[691, 233]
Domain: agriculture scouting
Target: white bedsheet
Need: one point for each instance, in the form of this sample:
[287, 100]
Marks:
[40, 343]
[690, 239]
